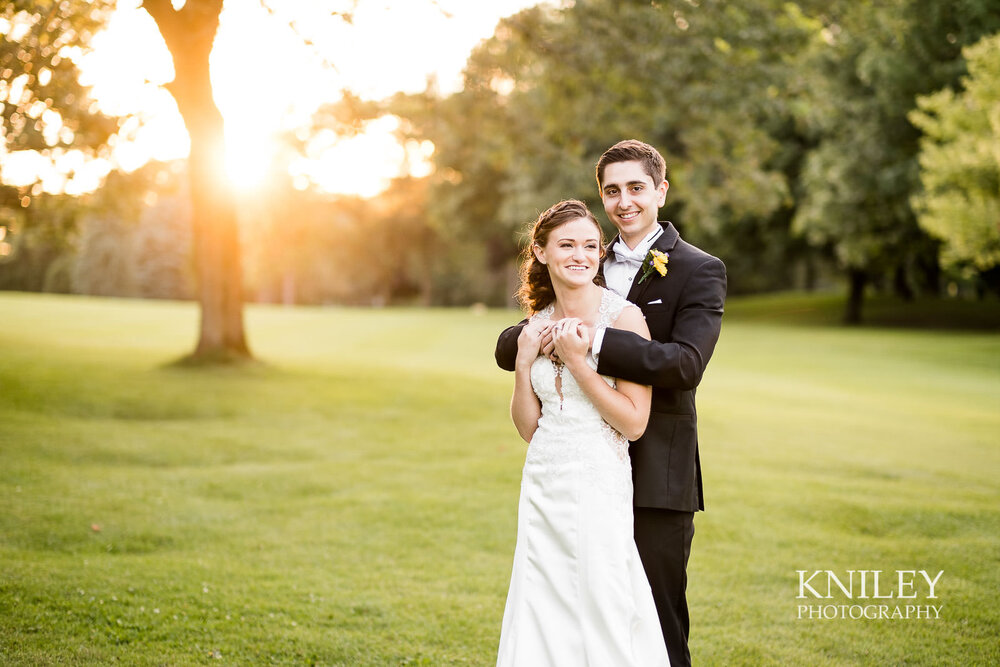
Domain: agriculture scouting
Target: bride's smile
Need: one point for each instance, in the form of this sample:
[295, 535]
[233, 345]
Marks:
[572, 253]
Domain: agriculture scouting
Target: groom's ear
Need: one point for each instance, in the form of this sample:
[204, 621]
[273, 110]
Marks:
[664, 186]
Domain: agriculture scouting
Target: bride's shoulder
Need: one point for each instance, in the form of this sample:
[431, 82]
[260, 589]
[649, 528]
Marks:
[621, 313]
[612, 307]
[632, 319]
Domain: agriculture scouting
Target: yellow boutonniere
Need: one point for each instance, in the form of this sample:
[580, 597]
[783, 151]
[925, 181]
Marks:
[654, 261]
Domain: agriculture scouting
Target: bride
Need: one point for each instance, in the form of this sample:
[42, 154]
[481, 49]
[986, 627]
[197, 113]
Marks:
[578, 593]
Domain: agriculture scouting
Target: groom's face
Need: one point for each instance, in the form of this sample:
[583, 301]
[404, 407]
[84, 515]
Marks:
[631, 199]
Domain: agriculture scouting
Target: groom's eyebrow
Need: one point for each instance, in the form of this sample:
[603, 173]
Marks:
[615, 185]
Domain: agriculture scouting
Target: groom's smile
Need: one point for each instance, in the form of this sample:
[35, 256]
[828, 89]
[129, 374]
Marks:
[631, 199]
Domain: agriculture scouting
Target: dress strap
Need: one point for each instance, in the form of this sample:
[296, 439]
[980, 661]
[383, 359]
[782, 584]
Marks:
[612, 306]
[544, 314]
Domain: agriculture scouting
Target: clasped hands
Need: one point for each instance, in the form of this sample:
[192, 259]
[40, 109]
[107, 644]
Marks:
[566, 340]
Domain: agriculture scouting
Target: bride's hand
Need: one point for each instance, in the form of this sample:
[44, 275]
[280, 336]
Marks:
[571, 339]
[529, 342]
[548, 347]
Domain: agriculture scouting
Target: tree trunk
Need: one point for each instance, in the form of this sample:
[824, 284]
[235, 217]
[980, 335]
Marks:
[858, 279]
[189, 34]
[901, 284]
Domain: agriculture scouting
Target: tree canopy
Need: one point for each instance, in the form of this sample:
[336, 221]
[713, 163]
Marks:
[784, 126]
[44, 107]
[960, 163]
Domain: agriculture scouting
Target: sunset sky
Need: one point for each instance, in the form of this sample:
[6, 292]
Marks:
[268, 79]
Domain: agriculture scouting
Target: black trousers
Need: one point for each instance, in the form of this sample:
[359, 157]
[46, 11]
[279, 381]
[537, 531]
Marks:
[663, 538]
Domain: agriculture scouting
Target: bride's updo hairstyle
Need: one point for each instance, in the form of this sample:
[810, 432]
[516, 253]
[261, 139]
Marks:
[536, 290]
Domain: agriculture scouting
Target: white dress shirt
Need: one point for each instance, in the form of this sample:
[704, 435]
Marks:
[620, 271]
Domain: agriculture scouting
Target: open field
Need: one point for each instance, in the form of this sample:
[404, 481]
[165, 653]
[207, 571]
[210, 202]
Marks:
[351, 500]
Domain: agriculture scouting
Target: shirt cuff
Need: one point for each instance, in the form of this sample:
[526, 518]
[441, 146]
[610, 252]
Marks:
[595, 349]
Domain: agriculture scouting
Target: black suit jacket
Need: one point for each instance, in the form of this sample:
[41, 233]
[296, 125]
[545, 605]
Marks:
[683, 310]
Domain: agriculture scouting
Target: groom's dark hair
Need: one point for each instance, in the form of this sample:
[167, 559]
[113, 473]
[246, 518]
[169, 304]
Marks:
[629, 150]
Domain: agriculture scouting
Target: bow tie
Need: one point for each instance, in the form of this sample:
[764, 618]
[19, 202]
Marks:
[625, 254]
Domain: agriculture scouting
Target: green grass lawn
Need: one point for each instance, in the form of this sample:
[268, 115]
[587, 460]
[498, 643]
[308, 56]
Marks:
[351, 500]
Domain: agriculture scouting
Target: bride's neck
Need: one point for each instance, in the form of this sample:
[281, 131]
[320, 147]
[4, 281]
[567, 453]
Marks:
[580, 302]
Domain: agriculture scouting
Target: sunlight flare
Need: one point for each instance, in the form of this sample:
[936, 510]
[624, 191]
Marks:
[271, 70]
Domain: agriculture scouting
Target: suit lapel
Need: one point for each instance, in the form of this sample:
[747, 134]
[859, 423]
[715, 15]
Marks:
[665, 243]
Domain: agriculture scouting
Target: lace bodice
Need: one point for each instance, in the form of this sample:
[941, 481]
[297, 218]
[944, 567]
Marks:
[567, 413]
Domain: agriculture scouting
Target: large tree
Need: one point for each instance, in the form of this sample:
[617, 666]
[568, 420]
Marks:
[553, 88]
[856, 185]
[189, 33]
[960, 163]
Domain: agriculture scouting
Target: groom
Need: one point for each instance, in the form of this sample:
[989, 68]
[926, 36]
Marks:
[683, 309]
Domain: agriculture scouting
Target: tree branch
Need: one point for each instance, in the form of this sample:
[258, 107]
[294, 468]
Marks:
[346, 16]
[186, 26]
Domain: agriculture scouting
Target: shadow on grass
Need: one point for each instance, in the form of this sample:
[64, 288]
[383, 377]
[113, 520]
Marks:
[218, 358]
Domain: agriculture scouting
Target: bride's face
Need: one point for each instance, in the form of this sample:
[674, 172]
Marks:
[572, 252]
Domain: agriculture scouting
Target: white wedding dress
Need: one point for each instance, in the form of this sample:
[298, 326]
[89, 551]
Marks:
[578, 594]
